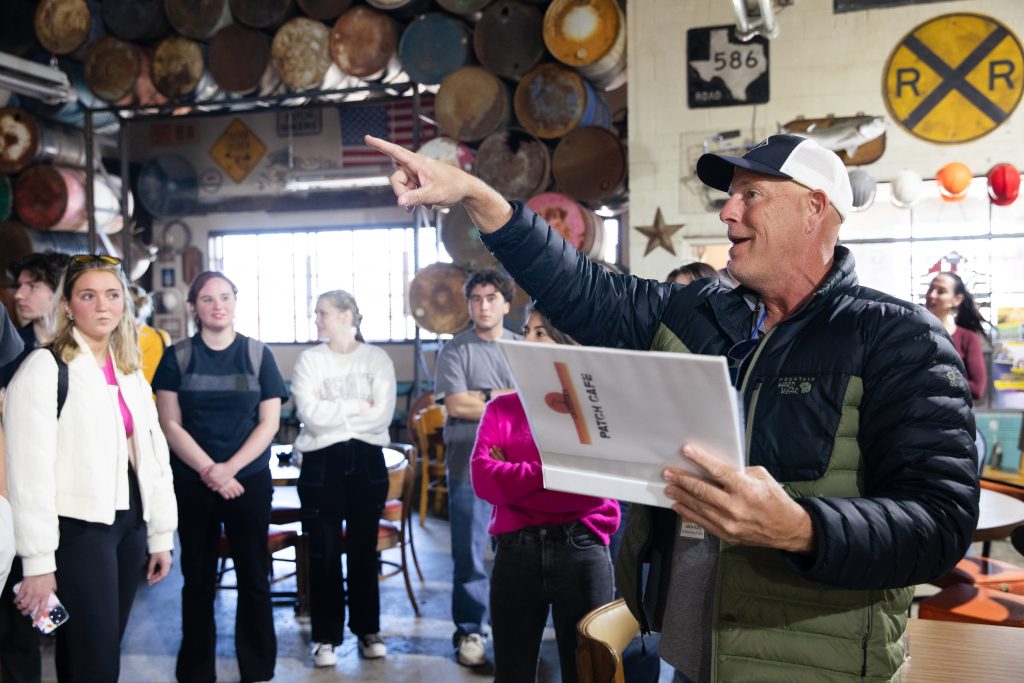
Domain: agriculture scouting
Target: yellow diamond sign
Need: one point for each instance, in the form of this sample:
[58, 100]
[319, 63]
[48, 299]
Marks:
[954, 78]
[238, 150]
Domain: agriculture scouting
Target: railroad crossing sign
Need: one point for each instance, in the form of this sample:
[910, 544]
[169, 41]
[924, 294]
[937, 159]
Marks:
[954, 78]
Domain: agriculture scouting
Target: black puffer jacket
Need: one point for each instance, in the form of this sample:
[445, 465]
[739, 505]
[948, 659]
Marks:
[917, 482]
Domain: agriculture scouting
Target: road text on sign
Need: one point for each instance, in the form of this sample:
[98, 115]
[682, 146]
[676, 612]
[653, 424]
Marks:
[954, 78]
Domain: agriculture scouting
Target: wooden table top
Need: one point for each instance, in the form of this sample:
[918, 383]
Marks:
[1003, 477]
[1000, 515]
[946, 651]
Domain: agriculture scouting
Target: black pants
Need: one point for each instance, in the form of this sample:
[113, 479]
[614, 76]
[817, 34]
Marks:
[345, 482]
[246, 520]
[99, 567]
[564, 568]
[19, 641]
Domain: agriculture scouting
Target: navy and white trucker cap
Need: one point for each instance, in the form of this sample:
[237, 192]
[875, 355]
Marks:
[785, 156]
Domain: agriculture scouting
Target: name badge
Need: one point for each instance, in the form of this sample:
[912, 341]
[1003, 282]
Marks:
[691, 530]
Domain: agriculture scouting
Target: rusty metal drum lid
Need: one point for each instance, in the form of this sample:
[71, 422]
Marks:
[580, 32]
[553, 99]
[300, 53]
[363, 41]
[63, 26]
[464, 7]
[436, 298]
[514, 163]
[42, 193]
[178, 66]
[199, 19]
[266, 14]
[471, 104]
[508, 38]
[589, 164]
[450, 151]
[141, 21]
[461, 240]
[111, 68]
[324, 10]
[239, 57]
[19, 139]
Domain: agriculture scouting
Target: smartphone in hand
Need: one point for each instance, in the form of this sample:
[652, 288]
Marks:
[50, 617]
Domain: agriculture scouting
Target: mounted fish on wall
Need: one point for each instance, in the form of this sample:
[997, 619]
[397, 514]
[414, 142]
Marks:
[858, 140]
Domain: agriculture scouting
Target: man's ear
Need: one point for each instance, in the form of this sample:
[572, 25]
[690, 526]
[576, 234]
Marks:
[818, 208]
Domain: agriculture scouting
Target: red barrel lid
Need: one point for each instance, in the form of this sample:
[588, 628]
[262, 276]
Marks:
[589, 164]
[363, 41]
[239, 57]
[41, 196]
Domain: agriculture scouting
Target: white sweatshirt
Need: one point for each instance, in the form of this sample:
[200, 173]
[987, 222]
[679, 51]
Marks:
[6, 541]
[78, 466]
[331, 391]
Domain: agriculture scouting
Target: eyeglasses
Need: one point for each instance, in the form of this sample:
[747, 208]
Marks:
[88, 259]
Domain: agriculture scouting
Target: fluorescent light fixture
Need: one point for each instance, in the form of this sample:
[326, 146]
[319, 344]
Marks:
[42, 82]
[605, 212]
[321, 180]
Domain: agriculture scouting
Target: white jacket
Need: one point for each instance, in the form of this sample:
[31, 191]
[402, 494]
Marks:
[78, 466]
[329, 389]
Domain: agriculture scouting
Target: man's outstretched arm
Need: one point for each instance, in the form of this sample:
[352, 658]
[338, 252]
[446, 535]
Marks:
[418, 180]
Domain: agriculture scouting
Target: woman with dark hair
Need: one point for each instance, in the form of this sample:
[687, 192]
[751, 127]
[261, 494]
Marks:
[219, 395]
[88, 468]
[684, 275]
[949, 301]
[552, 547]
[345, 397]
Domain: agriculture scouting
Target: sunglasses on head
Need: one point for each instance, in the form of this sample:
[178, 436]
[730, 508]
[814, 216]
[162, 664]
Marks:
[87, 259]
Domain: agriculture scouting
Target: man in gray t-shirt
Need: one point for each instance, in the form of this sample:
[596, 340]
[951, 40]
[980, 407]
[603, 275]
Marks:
[470, 370]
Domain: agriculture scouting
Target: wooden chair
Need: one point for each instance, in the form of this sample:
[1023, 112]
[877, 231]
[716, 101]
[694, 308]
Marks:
[980, 591]
[602, 635]
[428, 425]
[278, 540]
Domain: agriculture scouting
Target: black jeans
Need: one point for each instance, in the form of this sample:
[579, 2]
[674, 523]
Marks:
[19, 641]
[99, 567]
[346, 483]
[246, 520]
[565, 568]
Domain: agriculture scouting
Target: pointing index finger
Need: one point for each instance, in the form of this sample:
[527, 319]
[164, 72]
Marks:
[396, 152]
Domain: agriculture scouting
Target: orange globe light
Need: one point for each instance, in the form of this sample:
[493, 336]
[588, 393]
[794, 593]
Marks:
[1003, 184]
[954, 180]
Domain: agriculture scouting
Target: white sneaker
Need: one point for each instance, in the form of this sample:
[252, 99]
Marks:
[371, 646]
[323, 655]
[471, 650]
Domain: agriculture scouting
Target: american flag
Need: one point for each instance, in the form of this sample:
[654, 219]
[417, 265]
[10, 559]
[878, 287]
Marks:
[392, 121]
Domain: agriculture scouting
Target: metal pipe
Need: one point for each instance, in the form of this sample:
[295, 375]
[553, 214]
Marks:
[126, 231]
[90, 178]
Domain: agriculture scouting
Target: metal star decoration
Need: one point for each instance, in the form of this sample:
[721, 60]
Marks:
[659, 234]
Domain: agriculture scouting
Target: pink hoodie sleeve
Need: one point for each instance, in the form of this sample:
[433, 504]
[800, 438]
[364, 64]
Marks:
[501, 483]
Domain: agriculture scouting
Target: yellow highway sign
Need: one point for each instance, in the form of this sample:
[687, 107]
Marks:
[954, 78]
[238, 150]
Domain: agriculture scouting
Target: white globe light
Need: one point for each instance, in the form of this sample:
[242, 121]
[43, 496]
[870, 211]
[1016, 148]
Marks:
[906, 189]
[864, 185]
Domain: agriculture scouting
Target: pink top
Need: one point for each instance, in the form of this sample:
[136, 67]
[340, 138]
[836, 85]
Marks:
[516, 487]
[968, 345]
[126, 416]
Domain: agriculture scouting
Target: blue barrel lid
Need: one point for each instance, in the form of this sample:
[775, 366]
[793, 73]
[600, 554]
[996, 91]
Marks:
[433, 46]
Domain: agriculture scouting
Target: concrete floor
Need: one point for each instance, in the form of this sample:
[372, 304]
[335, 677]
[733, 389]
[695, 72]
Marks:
[419, 648]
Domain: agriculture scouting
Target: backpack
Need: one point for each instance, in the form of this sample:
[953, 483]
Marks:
[62, 380]
[183, 354]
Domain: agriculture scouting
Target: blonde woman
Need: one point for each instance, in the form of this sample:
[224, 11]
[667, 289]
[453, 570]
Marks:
[89, 471]
[345, 396]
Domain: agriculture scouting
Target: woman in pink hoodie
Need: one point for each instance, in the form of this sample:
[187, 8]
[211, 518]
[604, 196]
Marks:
[552, 547]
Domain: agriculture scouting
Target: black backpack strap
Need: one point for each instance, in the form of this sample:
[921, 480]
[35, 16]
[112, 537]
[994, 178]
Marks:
[62, 380]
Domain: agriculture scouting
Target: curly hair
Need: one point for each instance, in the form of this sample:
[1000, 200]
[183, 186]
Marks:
[500, 281]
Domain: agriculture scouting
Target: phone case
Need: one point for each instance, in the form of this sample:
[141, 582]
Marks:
[49, 618]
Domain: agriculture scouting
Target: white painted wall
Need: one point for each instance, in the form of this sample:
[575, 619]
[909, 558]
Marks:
[821, 63]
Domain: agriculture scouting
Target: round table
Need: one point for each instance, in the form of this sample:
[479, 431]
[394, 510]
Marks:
[1000, 515]
[287, 474]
